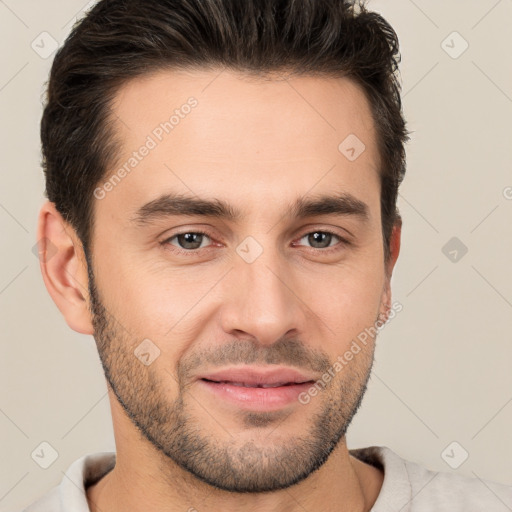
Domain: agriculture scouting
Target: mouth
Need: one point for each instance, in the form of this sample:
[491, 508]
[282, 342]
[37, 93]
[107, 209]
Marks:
[249, 385]
[256, 389]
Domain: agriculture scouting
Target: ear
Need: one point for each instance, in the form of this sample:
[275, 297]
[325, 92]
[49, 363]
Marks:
[394, 250]
[64, 268]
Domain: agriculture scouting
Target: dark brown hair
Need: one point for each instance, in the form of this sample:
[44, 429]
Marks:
[119, 40]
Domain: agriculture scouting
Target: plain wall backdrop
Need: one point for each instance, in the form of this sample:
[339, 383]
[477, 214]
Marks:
[441, 387]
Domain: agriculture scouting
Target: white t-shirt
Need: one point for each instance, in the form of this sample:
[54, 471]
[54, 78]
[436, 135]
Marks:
[407, 486]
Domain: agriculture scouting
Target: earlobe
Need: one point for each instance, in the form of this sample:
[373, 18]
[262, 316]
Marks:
[64, 268]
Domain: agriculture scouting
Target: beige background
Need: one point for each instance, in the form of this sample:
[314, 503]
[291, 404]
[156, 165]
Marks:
[443, 365]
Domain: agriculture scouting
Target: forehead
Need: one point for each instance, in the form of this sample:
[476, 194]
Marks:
[220, 133]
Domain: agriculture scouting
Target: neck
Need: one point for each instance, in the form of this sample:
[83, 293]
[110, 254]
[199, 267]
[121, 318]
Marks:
[152, 484]
[144, 479]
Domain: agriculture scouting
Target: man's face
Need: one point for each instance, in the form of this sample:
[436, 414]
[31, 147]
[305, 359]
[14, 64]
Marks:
[262, 292]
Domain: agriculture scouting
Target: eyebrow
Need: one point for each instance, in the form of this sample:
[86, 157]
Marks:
[172, 204]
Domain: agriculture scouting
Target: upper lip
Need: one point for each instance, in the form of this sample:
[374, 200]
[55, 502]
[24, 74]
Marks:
[253, 376]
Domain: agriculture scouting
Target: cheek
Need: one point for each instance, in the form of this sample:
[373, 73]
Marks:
[348, 301]
[171, 306]
[164, 305]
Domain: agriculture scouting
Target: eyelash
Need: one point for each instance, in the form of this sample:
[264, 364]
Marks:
[192, 252]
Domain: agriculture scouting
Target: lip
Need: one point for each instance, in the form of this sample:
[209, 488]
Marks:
[238, 386]
[259, 376]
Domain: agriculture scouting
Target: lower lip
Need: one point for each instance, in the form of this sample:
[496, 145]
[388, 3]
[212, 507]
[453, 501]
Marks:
[261, 399]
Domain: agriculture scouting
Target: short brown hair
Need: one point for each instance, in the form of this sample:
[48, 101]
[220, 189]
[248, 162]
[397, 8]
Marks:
[119, 40]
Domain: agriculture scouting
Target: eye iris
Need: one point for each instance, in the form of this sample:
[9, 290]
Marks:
[190, 240]
[321, 237]
[318, 240]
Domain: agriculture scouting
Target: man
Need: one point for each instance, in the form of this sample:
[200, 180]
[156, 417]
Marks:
[222, 180]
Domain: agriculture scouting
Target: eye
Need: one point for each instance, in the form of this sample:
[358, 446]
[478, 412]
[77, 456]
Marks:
[322, 239]
[188, 241]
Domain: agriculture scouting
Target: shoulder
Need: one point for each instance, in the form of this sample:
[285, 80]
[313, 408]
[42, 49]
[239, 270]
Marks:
[70, 493]
[410, 487]
[454, 492]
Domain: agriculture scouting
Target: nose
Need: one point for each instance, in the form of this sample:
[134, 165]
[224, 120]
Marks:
[260, 300]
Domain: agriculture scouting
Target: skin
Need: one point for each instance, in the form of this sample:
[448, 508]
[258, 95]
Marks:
[257, 145]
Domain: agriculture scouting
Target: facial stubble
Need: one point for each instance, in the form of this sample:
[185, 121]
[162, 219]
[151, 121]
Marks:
[261, 464]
